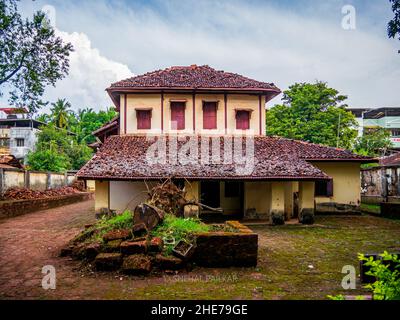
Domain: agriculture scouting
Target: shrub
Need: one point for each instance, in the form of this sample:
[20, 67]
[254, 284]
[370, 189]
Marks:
[178, 229]
[387, 274]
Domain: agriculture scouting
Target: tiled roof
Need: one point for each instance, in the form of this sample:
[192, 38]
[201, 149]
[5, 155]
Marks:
[124, 157]
[194, 77]
[9, 161]
[112, 124]
[393, 160]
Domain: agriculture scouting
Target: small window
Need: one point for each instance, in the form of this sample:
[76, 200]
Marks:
[210, 115]
[395, 132]
[324, 188]
[143, 119]
[242, 119]
[20, 142]
[232, 189]
[178, 115]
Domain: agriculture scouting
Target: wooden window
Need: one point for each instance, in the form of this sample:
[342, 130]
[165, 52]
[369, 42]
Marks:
[209, 115]
[324, 188]
[143, 119]
[177, 115]
[242, 120]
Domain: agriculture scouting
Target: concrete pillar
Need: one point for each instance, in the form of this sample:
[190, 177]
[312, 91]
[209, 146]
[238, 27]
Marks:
[102, 194]
[277, 203]
[48, 180]
[2, 182]
[27, 179]
[289, 205]
[306, 202]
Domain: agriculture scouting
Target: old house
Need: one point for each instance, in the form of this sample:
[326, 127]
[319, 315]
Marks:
[206, 130]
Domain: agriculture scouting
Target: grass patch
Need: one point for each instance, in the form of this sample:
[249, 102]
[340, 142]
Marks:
[371, 208]
[176, 229]
[96, 232]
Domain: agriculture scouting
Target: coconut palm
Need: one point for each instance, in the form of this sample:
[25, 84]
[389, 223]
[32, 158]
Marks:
[60, 113]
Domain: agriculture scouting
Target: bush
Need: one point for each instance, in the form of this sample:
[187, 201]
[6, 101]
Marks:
[387, 274]
[178, 229]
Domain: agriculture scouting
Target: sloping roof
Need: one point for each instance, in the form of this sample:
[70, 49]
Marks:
[9, 161]
[393, 160]
[112, 124]
[124, 157]
[193, 77]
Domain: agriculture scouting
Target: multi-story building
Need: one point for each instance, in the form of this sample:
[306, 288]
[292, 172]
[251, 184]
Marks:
[205, 129]
[370, 118]
[18, 133]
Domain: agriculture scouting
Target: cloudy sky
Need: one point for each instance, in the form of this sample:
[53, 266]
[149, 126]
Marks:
[280, 41]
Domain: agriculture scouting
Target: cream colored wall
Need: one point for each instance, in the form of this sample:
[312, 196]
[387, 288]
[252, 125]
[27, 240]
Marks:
[346, 182]
[306, 195]
[245, 102]
[278, 196]
[91, 185]
[192, 190]
[101, 195]
[14, 179]
[289, 203]
[234, 101]
[127, 194]
[38, 181]
[257, 195]
[56, 180]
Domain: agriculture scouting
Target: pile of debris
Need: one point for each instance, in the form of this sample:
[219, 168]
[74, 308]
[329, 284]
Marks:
[28, 194]
[168, 197]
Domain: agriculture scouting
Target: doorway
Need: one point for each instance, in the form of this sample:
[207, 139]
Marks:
[210, 193]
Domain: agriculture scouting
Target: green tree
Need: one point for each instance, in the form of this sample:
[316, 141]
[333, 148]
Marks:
[374, 142]
[394, 24]
[31, 56]
[313, 112]
[57, 150]
[85, 121]
[61, 113]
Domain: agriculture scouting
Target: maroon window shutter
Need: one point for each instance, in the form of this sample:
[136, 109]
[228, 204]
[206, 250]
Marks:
[242, 120]
[143, 119]
[210, 115]
[329, 188]
[178, 115]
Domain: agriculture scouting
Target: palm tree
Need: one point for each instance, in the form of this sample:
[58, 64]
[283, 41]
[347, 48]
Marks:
[60, 113]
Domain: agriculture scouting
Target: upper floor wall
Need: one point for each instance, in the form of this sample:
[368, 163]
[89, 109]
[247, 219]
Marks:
[187, 113]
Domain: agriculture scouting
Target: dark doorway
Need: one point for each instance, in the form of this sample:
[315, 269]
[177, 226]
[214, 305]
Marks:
[210, 194]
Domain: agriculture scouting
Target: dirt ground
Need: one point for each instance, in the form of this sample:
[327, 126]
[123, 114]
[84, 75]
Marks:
[295, 262]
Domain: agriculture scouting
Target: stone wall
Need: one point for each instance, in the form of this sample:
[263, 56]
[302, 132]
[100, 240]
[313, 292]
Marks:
[227, 249]
[11, 208]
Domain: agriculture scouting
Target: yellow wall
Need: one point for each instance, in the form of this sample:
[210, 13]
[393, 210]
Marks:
[289, 205]
[306, 195]
[101, 195]
[127, 194]
[38, 181]
[192, 190]
[346, 182]
[231, 205]
[234, 101]
[257, 195]
[278, 196]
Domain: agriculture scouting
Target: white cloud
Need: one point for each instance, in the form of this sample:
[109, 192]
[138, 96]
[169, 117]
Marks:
[90, 73]
[274, 43]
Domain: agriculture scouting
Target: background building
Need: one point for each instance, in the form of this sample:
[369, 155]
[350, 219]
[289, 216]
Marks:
[388, 118]
[18, 133]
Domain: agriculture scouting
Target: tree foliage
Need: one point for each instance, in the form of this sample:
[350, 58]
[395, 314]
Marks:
[387, 273]
[374, 142]
[31, 56]
[313, 112]
[57, 150]
[394, 24]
